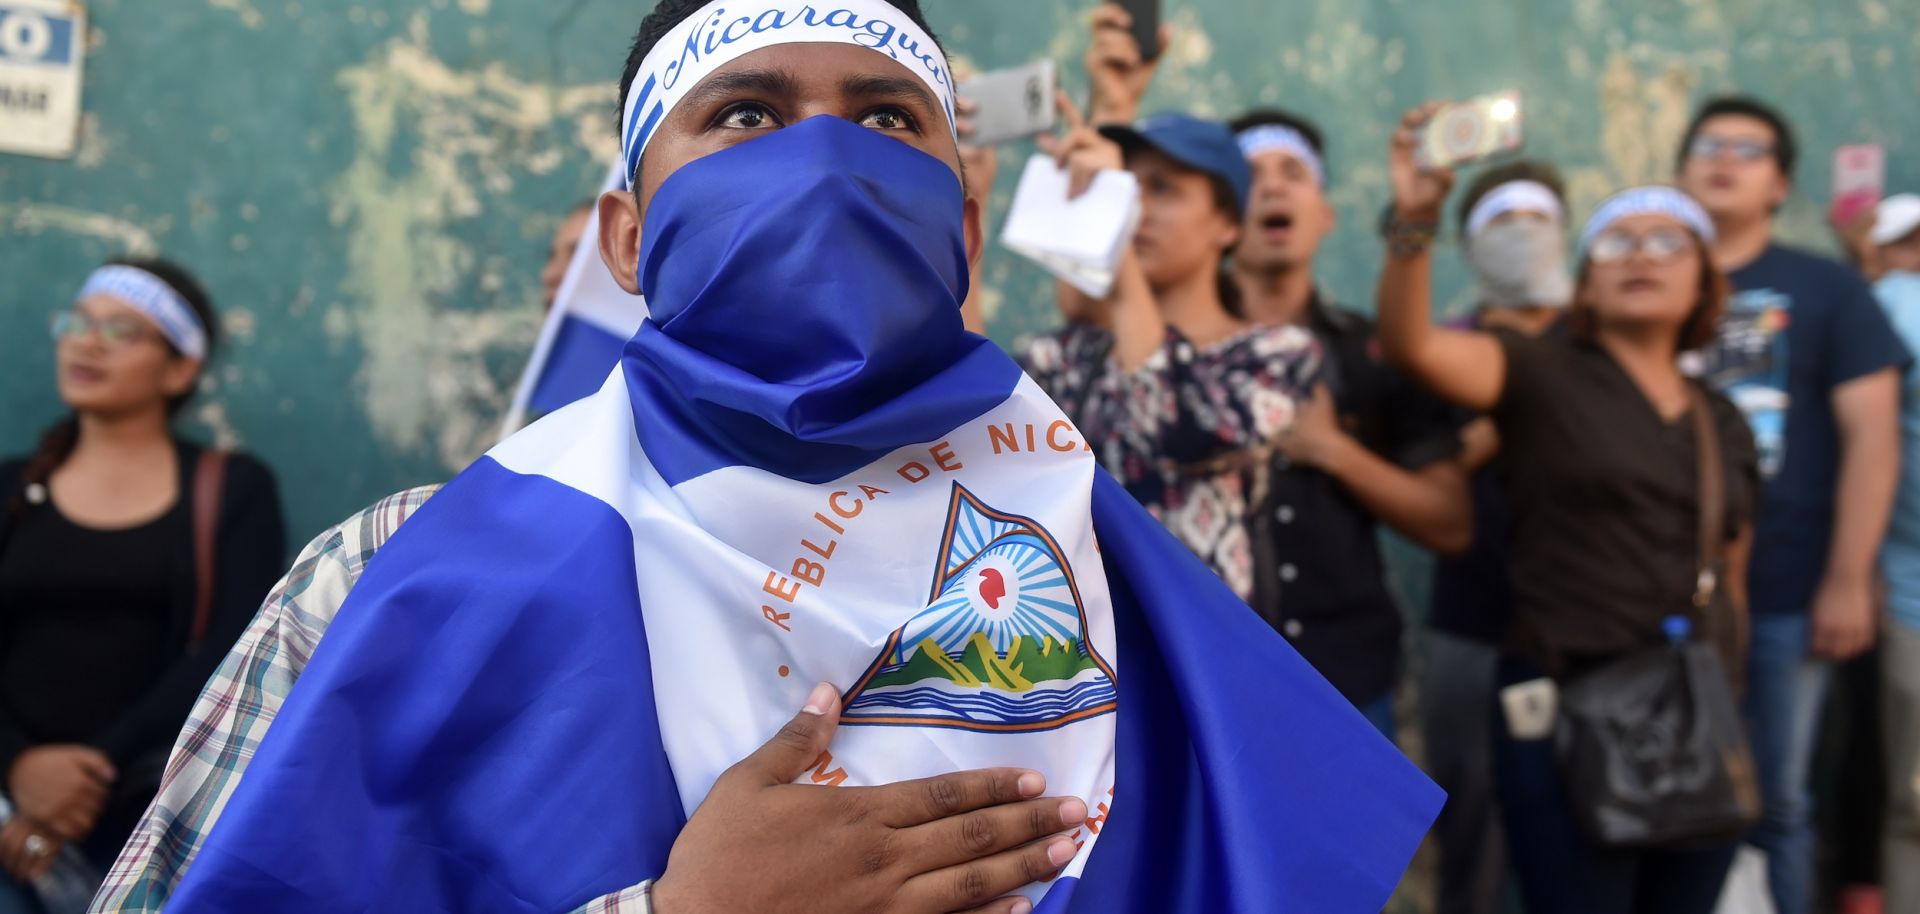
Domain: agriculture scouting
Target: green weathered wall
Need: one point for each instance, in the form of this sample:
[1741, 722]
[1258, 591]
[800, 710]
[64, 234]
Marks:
[368, 188]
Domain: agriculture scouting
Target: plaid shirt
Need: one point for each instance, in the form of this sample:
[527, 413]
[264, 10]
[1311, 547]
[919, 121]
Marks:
[238, 705]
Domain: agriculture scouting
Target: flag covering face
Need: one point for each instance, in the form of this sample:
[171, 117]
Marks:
[803, 469]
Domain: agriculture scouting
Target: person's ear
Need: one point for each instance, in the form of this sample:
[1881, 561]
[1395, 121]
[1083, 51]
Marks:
[976, 233]
[178, 377]
[1231, 231]
[1333, 213]
[1782, 189]
[620, 238]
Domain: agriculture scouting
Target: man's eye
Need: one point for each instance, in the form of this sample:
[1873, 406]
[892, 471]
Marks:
[887, 119]
[748, 116]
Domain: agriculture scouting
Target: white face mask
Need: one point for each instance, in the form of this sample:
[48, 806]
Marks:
[1521, 263]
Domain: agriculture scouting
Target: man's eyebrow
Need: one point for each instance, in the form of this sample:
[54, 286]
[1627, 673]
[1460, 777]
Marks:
[770, 84]
[899, 88]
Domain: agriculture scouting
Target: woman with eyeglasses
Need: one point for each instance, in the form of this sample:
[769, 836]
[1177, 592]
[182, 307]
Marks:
[112, 616]
[1602, 471]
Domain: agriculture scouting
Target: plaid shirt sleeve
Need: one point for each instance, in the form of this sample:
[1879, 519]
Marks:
[233, 712]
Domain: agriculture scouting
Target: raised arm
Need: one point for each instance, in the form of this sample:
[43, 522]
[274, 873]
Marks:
[1129, 310]
[1119, 73]
[1464, 367]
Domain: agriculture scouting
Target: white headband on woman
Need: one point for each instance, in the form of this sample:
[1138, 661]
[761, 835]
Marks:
[1514, 197]
[151, 296]
[1282, 138]
[725, 30]
[1653, 200]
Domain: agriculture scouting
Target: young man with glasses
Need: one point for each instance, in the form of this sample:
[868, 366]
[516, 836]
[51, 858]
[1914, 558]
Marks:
[1811, 359]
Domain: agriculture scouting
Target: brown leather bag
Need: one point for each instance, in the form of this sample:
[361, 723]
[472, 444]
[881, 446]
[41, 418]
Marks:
[209, 478]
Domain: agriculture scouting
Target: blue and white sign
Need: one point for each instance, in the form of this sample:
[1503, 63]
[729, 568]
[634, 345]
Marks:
[42, 48]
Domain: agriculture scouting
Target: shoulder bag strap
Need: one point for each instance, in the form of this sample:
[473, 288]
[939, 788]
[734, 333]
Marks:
[1713, 498]
[209, 477]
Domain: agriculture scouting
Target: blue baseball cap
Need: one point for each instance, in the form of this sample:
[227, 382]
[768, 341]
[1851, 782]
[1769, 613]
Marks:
[1202, 145]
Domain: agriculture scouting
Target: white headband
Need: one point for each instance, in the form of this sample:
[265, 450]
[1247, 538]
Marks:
[1514, 197]
[1271, 137]
[151, 296]
[1655, 200]
[724, 30]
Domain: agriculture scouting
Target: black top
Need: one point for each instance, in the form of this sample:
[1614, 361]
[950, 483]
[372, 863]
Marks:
[1605, 506]
[1318, 575]
[94, 625]
[85, 622]
[1473, 592]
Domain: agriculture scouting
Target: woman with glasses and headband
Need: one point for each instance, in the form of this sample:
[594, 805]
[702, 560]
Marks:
[111, 615]
[1602, 472]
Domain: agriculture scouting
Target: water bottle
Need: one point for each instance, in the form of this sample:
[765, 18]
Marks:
[67, 887]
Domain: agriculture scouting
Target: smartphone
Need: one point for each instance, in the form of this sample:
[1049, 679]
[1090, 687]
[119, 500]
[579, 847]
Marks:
[1146, 25]
[1472, 130]
[1011, 104]
[1859, 178]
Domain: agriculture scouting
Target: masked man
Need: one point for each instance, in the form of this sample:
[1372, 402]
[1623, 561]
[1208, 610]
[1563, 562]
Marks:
[538, 694]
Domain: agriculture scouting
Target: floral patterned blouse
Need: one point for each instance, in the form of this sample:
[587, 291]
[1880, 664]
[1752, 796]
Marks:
[1189, 433]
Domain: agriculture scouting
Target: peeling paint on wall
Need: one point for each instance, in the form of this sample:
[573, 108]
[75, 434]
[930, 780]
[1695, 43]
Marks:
[422, 381]
[36, 218]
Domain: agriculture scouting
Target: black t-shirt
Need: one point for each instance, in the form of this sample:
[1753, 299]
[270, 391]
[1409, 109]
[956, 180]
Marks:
[1605, 501]
[84, 615]
[106, 617]
[1318, 575]
[1798, 327]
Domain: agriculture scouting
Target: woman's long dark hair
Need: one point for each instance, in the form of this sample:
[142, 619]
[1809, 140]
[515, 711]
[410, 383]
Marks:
[58, 441]
[1229, 204]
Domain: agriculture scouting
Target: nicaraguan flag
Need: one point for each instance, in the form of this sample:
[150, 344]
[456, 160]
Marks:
[541, 675]
[592, 318]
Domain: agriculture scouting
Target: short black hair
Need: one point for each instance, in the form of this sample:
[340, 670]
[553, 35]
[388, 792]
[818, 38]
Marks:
[1785, 152]
[1534, 170]
[1274, 117]
[670, 13]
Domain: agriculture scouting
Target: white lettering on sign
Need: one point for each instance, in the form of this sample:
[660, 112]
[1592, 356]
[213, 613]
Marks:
[43, 47]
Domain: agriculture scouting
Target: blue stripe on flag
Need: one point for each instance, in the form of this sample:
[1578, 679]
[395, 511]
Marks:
[579, 362]
[1246, 782]
[476, 733]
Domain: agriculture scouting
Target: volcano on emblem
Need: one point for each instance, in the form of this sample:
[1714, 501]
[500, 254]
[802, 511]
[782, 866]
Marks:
[1002, 645]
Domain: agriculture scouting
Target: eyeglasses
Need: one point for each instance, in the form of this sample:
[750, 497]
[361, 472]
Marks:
[117, 332]
[1710, 147]
[1659, 244]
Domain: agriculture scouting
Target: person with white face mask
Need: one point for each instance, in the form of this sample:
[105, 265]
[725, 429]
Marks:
[1513, 220]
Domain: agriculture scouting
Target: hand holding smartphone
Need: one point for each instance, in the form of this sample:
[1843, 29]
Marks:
[1146, 25]
[1471, 131]
[1011, 104]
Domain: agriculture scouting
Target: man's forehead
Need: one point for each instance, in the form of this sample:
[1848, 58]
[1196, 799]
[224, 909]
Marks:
[1278, 156]
[821, 70]
[1737, 125]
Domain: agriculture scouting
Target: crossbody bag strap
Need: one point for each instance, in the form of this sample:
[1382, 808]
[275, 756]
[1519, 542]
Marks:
[1713, 498]
[209, 477]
